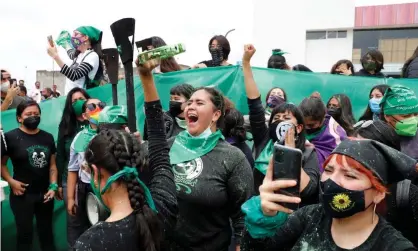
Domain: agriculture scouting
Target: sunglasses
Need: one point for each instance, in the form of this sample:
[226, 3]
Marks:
[93, 106]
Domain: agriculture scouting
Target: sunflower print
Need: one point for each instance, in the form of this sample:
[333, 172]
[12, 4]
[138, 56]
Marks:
[341, 202]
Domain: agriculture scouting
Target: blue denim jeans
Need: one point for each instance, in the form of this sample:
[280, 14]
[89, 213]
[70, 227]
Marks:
[79, 223]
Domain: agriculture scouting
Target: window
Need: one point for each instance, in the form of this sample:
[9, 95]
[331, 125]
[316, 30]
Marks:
[313, 35]
[342, 34]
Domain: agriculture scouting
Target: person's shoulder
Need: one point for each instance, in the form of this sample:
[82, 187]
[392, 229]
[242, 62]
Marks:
[90, 238]
[45, 134]
[231, 155]
[13, 132]
[392, 239]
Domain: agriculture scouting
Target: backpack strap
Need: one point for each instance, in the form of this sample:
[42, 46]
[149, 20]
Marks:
[402, 193]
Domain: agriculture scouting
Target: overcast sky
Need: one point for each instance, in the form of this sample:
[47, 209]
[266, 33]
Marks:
[25, 24]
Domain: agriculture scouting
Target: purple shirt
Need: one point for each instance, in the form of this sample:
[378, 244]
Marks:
[409, 146]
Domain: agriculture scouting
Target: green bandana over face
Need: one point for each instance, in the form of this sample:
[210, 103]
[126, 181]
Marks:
[83, 138]
[187, 147]
[399, 100]
[115, 114]
[262, 162]
[78, 107]
[407, 127]
[93, 33]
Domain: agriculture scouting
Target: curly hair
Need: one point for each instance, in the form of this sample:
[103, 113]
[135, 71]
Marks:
[112, 150]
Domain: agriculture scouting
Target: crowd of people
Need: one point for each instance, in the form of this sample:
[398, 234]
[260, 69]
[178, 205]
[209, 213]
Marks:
[191, 181]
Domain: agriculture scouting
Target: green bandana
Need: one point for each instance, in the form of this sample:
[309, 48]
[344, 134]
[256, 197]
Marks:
[407, 127]
[187, 147]
[313, 135]
[399, 100]
[64, 40]
[115, 114]
[126, 172]
[182, 123]
[83, 138]
[268, 111]
[93, 33]
[262, 162]
[78, 107]
[275, 52]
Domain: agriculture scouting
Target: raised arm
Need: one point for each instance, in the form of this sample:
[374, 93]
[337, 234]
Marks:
[256, 110]
[162, 186]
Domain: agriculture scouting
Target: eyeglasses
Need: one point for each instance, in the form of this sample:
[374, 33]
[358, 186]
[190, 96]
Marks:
[93, 106]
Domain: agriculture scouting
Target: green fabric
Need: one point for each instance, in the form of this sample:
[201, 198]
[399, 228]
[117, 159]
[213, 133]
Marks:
[91, 32]
[182, 123]
[228, 79]
[281, 53]
[78, 107]
[64, 40]
[53, 187]
[83, 138]
[115, 114]
[407, 127]
[187, 147]
[262, 162]
[257, 224]
[313, 135]
[399, 100]
[130, 173]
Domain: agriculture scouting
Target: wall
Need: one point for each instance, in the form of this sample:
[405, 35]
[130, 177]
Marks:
[47, 78]
[321, 54]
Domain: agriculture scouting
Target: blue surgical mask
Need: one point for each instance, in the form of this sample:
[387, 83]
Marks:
[374, 104]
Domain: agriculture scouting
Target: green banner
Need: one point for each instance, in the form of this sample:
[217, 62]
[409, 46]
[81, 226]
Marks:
[229, 80]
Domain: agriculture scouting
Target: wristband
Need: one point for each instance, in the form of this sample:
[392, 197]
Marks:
[53, 187]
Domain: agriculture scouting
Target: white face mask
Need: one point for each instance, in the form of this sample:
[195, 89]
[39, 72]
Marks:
[205, 134]
[5, 86]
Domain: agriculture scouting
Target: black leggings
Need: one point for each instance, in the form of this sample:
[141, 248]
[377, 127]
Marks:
[24, 208]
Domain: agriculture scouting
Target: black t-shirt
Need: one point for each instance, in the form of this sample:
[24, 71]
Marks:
[209, 63]
[31, 158]
[309, 228]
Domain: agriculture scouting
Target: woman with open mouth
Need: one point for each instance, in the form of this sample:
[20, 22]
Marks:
[213, 178]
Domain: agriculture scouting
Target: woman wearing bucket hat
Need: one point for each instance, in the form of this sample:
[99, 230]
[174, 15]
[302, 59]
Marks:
[399, 108]
[84, 48]
[355, 180]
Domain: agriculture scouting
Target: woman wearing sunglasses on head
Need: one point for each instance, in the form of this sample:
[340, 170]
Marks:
[78, 181]
[140, 215]
[354, 182]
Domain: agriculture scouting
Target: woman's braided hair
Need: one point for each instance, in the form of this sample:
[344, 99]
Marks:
[112, 150]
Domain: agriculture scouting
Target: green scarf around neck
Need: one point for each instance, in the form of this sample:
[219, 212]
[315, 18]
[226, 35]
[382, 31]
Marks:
[83, 138]
[186, 147]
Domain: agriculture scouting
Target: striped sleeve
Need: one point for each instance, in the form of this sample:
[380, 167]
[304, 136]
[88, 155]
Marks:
[71, 53]
[75, 74]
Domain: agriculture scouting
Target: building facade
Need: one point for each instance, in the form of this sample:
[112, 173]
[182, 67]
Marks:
[319, 33]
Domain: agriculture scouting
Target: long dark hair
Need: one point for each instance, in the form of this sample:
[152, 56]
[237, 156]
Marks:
[234, 125]
[340, 62]
[375, 55]
[166, 65]
[23, 105]
[269, 92]
[67, 126]
[218, 101]
[297, 113]
[368, 114]
[346, 120]
[113, 150]
[407, 62]
[223, 43]
[277, 61]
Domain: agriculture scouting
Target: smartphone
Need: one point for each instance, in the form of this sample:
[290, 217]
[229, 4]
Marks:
[51, 41]
[287, 165]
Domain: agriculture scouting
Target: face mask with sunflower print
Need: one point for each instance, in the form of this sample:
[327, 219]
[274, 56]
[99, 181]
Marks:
[339, 202]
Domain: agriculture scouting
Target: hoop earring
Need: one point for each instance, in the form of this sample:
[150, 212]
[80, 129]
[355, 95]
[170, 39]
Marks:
[374, 212]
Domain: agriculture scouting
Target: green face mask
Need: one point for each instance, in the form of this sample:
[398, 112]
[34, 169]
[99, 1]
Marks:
[407, 127]
[126, 172]
[370, 66]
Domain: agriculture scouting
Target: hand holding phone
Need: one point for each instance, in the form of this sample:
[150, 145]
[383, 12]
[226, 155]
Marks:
[50, 41]
[287, 164]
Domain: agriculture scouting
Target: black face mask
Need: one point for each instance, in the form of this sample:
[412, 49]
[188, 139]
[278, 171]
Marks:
[272, 131]
[175, 108]
[217, 56]
[334, 112]
[339, 202]
[313, 130]
[32, 122]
